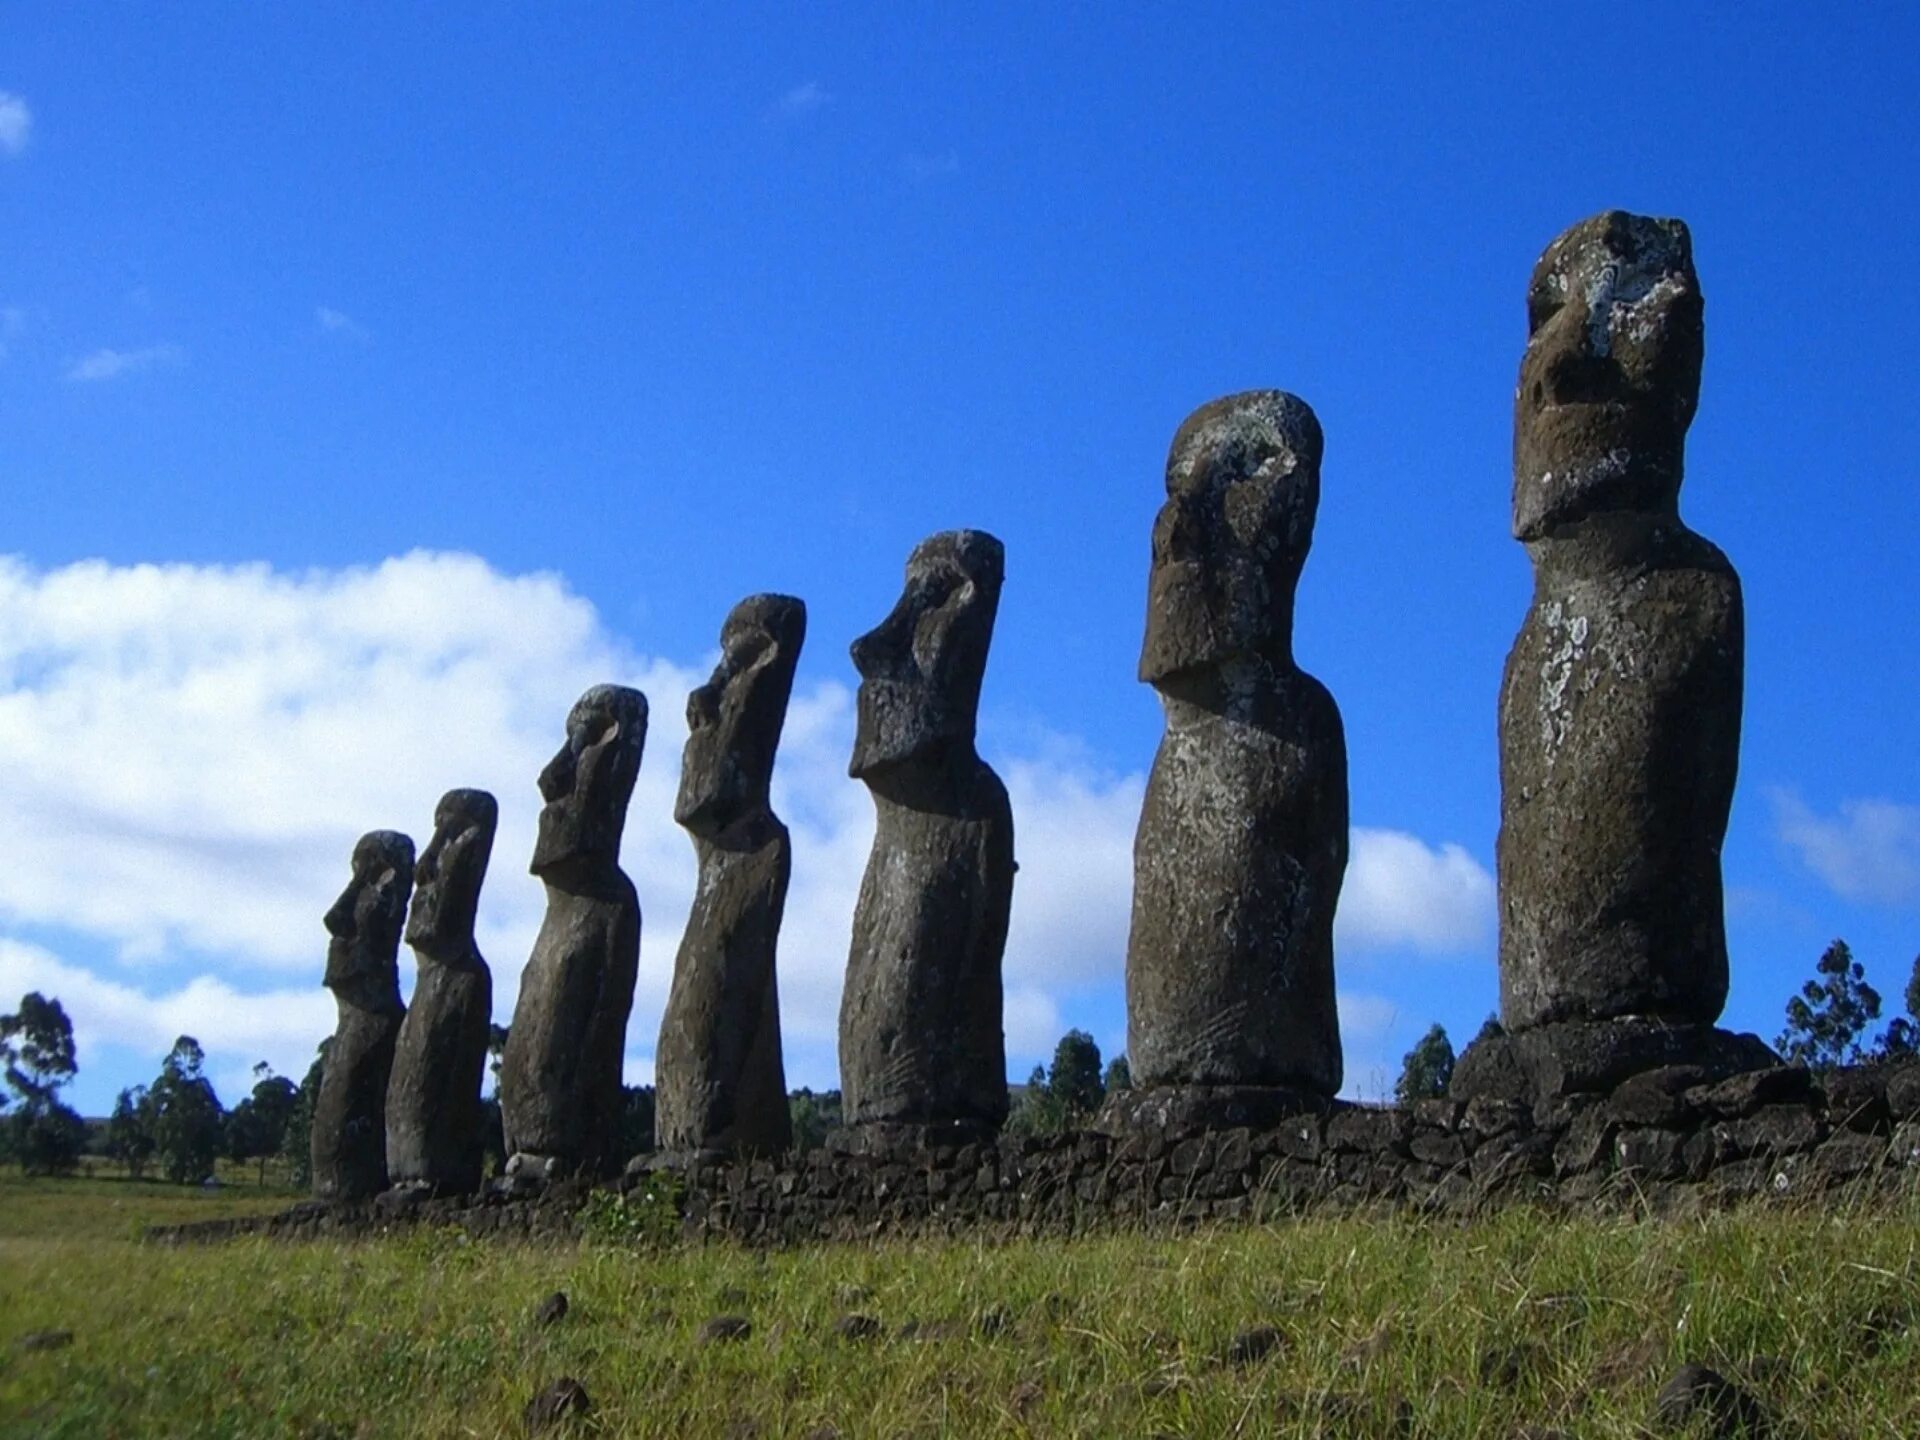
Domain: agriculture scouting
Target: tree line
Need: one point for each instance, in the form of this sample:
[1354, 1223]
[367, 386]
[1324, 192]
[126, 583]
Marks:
[175, 1128]
[1827, 1026]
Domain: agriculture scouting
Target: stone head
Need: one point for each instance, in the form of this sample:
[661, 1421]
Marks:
[734, 720]
[921, 667]
[1611, 376]
[364, 923]
[587, 785]
[1243, 486]
[448, 875]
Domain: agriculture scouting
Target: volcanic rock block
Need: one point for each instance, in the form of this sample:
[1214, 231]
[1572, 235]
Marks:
[433, 1100]
[1242, 843]
[722, 1084]
[1620, 706]
[349, 1140]
[920, 1016]
[560, 1078]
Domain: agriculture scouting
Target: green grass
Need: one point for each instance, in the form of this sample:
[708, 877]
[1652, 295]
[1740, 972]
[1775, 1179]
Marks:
[1123, 1335]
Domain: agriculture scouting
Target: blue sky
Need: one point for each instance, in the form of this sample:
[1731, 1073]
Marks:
[444, 364]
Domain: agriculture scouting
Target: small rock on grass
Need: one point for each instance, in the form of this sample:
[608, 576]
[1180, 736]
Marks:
[552, 1310]
[1250, 1347]
[45, 1340]
[725, 1327]
[1697, 1393]
[563, 1400]
[857, 1327]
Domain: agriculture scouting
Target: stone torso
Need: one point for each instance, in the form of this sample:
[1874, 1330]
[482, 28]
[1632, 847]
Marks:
[560, 1081]
[349, 1142]
[1238, 861]
[1619, 731]
[433, 1104]
[722, 1084]
[920, 1018]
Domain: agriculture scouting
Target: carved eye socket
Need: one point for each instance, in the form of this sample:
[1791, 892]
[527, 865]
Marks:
[594, 730]
[1543, 303]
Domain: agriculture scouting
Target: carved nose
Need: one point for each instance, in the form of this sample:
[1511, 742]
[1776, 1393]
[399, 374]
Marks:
[1176, 532]
[339, 919]
[703, 707]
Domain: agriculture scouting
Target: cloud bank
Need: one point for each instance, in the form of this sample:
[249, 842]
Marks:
[187, 754]
[1869, 851]
[16, 123]
[111, 364]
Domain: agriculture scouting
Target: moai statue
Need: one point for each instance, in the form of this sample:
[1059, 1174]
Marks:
[433, 1101]
[1620, 706]
[349, 1141]
[560, 1079]
[1242, 844]
[722, 1086]
[920, 1037]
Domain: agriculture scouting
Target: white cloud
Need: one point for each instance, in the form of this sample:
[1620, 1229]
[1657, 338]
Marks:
[1869, 851]
[338, 322]
[1402, 893]
[187, 754]
[803, 100]
[107, 364]
[280, 1026]
[16, 123]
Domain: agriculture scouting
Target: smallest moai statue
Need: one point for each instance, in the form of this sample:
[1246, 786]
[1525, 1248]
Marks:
[433, 1101]
[1242, 843]
[722, 1084]
[349, 1143]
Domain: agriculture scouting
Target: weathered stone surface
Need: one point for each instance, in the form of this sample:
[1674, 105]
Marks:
[560, 1076]
[920, 1013]
[433, 1100]
[1903, 1091]
[722, 1083]
[1579, 1057]
[349, 1141]
[1620, 706]
[1242, 843]
[1176, 1110]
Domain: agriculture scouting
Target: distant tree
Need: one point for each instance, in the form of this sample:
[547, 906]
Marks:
[1902, 1037]
[43, 1135]
[36, 1045]
[296, 1145]
[1119, 1075]
[256, 1128]
[1490, 1029]
[815, 1115]
[185, 1115]
[1827, 1018]
[1032, 1109]
[1426, 1069]
[1074, 1082]
[496, 1051]
[129, 1136]
[635, 1133]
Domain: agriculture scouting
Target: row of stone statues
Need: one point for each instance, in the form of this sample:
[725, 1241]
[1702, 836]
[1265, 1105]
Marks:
[1619, 731]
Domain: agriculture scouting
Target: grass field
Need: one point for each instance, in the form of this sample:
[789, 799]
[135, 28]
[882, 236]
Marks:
[1386, 1326]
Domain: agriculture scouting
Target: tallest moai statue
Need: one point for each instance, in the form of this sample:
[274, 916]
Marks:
[1620, 706]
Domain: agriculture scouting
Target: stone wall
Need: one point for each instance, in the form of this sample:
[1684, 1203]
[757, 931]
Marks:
[1658, 1140]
